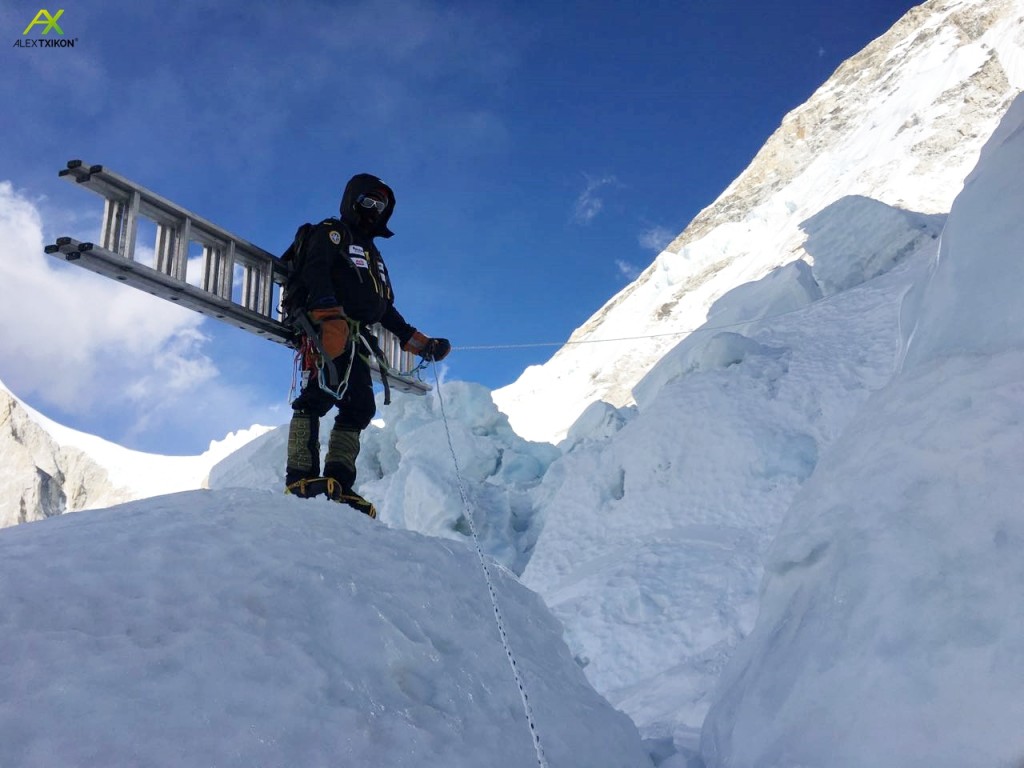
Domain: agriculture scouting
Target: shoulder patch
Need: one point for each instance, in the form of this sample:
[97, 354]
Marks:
[335, 237]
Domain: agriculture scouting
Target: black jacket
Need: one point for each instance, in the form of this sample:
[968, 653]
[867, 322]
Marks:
[344, 267]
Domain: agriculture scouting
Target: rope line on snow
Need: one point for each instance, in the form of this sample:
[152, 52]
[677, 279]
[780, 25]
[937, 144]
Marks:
[541, 759]
[570, 342]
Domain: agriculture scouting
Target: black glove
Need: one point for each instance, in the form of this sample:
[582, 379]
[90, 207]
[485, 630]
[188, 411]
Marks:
[436, 349]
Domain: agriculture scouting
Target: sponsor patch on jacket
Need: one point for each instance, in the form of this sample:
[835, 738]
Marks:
[356, 250]
[361, 263]
[335, 237]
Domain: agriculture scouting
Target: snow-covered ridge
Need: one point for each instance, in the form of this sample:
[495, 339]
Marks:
[901, 123]
[145, 474]
[50, 469]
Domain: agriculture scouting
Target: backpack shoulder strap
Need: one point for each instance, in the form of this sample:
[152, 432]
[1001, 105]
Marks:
[301, 234]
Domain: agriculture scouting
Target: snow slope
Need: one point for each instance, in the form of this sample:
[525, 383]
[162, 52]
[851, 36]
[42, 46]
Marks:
[890, 628]
[242, 628]
[901, 123]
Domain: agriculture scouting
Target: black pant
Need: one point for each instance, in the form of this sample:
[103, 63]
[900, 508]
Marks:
[356, 408]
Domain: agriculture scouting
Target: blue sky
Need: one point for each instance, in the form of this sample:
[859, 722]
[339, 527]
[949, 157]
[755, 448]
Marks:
[541, 154]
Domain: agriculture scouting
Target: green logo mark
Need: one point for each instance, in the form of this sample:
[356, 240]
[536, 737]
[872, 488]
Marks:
[49, 22]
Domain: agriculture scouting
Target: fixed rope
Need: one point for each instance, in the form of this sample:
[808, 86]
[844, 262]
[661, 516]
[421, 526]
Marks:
[571, 342]
[541, 759]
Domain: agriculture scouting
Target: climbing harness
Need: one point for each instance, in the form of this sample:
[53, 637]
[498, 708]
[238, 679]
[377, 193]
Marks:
[541, 759]
[311, 357]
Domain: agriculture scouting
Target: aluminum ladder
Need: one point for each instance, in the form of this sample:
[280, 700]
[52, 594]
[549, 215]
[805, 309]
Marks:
[198, 265]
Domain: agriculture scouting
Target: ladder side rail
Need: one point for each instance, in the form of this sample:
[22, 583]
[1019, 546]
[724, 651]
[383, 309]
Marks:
[105, 262]
[104, 181]
[155, 213]
[151, 205]
[97, 185]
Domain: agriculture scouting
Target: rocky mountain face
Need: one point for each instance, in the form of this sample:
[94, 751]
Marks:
[902, 122]
[39, 478]
[949, 129]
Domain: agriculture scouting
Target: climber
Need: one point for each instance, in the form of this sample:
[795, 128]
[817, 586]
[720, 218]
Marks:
[343, 287]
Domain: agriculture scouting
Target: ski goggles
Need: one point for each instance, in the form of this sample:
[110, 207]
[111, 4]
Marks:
[371, 202]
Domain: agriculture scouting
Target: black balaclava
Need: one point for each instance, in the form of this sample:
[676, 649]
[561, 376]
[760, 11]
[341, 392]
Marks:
[374, 224]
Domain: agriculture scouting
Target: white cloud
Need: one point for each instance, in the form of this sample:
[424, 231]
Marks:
[628, 270]
[656, 238]
[590, 203]
[74, 334]
[90, 346]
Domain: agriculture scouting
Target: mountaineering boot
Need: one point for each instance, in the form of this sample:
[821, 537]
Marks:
[308, 487]
[340, 464]
[357, 502]
[303, 461]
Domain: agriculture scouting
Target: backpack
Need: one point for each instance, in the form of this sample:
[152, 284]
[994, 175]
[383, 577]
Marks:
[295, 294]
